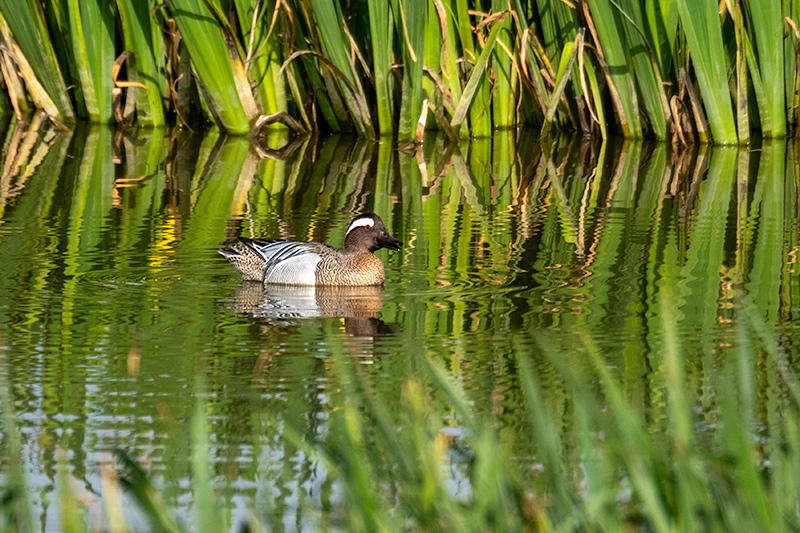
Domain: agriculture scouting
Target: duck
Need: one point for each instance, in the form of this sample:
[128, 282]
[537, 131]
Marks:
[285, 262]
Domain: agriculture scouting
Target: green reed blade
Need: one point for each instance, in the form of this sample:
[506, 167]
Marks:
[71, 515]
[701, 27]
[615, 52]
[93, 31]
[767, 27]
[503, 94]
[148, 60]
[542, 426]
[476, 76]
[27, 24]
[135, 481]
[382, 35]
[336, 47]
[448, 59]
[558, 25]
[316, 78]
[791, 56]
[568, 55]
[644, 63]
[741, 102]
[410, 17]
[208, 516]
[661, 28]
[597, 97]
[432, 49]
[262, 53]
[17, 501]
[217, 65]
[463, 27]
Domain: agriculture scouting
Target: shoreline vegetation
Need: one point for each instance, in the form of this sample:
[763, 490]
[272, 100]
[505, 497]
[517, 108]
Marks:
[686, 71]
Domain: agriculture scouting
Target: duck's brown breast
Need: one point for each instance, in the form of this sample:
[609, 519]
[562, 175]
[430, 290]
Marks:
[350, 270]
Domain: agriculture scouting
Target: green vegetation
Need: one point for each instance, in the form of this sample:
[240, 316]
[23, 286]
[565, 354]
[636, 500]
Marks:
[673, 69]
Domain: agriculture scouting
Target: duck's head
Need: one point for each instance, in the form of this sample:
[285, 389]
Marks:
[368, 231]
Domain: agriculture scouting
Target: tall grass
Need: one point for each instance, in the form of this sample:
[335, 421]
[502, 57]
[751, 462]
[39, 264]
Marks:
[674, 69]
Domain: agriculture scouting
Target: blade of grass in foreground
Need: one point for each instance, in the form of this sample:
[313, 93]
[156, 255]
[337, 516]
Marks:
[135, 481]
[208, 515]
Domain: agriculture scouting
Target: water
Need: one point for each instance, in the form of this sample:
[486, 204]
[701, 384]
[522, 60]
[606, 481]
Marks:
[117, 315]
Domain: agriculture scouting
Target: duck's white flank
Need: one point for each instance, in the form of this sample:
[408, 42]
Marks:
[300, 270]
[359, 222]
[291, 263]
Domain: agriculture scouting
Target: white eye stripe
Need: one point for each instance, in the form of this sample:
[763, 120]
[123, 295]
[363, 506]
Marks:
[359, 222]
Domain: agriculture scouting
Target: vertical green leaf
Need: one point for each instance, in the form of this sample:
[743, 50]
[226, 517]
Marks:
[381, 33]
[411, 19]
[477, 74]
[700, 23]
[767, 25]
[93, 30]
[217, 65]
[336, 47]
[503, 94]
[614, 48]
[263, 53]
[139, 38]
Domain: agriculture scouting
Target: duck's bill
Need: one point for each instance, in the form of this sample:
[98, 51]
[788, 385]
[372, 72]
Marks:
[390, 242]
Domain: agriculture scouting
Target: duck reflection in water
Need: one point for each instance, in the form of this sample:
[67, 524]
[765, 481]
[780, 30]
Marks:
[285, 304]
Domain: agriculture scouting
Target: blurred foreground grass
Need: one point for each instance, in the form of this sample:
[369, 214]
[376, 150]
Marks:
[436, 463]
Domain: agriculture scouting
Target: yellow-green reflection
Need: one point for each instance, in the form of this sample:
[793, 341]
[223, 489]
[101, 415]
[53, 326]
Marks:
[117, 315]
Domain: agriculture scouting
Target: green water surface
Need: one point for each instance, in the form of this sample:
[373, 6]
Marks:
[117, 313]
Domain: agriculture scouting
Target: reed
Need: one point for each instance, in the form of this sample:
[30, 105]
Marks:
[660, 70]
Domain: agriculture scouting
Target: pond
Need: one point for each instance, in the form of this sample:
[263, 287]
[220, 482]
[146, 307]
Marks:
[118, 316]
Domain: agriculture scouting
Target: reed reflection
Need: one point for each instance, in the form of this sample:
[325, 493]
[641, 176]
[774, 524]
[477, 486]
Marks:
[116, 308]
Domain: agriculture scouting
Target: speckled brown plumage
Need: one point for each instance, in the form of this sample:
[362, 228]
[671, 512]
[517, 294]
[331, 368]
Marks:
[350, 269]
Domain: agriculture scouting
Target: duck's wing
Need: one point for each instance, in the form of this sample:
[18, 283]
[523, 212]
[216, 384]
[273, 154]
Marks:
[276, 260]
[291, 262]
